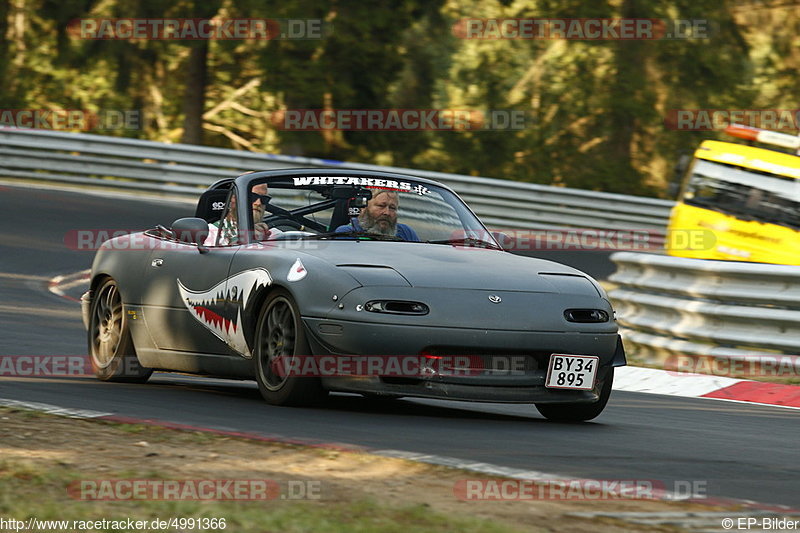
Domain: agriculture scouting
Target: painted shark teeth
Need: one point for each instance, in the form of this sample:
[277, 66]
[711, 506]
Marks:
[212, 308]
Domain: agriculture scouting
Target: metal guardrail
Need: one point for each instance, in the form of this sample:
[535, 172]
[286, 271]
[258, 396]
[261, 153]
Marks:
[671, 307]
[183, 169]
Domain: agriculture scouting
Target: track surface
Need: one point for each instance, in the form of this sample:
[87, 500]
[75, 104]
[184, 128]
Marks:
[739, 450]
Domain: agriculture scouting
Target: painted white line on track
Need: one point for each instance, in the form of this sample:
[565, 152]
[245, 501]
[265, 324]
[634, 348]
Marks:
[52, 409]
[473, 466]
[58, 284]
[746, 402]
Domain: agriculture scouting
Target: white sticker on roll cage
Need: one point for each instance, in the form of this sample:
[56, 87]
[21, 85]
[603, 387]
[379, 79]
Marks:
[380, 183]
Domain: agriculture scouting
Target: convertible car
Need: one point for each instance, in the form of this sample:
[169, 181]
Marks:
[316, 280]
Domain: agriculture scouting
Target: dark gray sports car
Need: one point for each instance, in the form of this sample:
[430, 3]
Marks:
[314, 280]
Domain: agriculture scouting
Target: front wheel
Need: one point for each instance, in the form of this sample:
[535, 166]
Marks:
[110, 345]
[578, 412]
[279, 344]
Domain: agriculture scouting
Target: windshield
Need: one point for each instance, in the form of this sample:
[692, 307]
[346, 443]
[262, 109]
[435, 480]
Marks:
[745, 194]
[366, 207]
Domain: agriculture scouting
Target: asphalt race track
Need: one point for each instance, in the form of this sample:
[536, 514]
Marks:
[739, 450]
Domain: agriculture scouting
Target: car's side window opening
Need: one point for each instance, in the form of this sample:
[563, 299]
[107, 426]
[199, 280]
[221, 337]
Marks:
[227, 226]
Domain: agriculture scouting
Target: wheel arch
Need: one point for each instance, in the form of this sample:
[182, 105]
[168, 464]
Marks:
[98, 279]
[260, 299]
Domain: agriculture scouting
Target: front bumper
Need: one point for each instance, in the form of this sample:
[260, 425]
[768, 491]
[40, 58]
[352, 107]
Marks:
[527, 386]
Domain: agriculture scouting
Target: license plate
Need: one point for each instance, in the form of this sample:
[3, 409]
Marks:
[572, 371]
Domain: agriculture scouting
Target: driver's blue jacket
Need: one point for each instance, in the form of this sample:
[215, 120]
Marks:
[403, 231]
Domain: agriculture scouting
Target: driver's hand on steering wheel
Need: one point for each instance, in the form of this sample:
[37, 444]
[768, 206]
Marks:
[261, 231]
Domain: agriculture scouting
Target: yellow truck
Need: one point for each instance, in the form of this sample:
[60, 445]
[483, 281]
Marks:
[745, 198]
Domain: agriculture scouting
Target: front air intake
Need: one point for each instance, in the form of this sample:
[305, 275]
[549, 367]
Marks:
[586, 315]
[396, 307]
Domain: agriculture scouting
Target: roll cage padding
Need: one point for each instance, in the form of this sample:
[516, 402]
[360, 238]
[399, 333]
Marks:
[211, 204]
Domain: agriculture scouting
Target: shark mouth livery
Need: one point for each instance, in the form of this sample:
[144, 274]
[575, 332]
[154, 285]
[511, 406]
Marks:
[219, 308]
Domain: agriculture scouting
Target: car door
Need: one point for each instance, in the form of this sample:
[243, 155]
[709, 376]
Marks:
[185, 301]
[186, 304]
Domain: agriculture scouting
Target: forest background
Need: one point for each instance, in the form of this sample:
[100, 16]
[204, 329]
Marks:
[597, 111]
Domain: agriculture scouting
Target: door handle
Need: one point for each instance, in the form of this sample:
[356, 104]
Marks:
[156, 262]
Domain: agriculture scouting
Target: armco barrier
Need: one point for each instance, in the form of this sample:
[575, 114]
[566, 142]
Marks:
[184, 169]
[669, 307]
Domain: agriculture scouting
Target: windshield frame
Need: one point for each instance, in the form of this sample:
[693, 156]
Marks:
[407, 184]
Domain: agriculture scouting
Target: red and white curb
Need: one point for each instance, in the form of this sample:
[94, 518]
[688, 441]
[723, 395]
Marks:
[655, 381]
[59, 285]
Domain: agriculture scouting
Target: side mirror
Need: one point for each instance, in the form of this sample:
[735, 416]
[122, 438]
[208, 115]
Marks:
[190, 230]
[679, 170]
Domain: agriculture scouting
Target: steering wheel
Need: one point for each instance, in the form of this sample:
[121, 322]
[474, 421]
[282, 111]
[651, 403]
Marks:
[285, 223]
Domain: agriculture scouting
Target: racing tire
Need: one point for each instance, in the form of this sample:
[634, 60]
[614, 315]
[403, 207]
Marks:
[578, 412]
[280, 338]
[111, 348]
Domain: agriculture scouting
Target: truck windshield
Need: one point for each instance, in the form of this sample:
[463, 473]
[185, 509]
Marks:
[745, 194]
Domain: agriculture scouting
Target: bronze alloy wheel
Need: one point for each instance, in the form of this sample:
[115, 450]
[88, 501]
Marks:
[110, 345]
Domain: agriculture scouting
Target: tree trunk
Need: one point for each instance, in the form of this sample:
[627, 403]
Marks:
[194, 97]
[630, 78]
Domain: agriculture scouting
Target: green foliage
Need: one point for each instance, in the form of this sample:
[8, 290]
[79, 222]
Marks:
[595, 110]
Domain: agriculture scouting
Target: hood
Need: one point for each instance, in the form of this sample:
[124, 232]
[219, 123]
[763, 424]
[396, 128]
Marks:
[445, 266]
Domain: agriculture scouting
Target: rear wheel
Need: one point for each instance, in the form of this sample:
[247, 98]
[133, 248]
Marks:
[280, 341]
[110, 345]
[578, 412]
